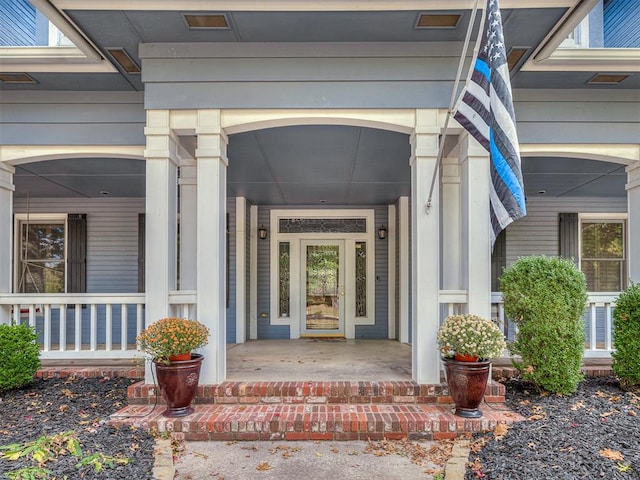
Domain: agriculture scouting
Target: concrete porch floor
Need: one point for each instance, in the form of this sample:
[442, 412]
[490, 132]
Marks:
[309, 359]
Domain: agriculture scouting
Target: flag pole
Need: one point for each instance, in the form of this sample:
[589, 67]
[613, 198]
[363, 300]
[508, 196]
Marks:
[452, 101]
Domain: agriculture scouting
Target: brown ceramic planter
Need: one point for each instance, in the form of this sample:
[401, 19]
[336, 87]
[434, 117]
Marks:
[178, 382]
[467, 382]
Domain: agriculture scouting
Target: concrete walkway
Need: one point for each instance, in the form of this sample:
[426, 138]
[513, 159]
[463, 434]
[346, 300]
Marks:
[356, 460]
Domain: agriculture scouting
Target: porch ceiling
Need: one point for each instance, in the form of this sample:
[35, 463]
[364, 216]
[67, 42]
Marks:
[303, 165]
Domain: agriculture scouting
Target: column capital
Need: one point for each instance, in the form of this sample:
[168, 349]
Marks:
[470, 147]
[162, 143]
[6, 177]
[633, 176]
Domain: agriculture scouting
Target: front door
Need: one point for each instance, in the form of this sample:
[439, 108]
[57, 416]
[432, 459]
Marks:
[323, 284]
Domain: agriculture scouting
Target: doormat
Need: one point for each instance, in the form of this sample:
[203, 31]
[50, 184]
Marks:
[327, 339]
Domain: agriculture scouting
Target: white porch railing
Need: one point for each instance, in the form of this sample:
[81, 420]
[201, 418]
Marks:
[598, 322]
[89, 326]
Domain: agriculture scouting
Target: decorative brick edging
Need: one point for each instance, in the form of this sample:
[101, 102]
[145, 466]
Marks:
[267, 393]
[90, 372]
[505, 372]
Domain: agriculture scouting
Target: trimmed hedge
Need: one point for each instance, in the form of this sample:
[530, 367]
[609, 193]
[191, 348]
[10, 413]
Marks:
[546, 298]
[19, 356]
[626, 337]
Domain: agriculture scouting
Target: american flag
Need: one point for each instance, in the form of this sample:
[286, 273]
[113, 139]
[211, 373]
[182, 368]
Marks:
[486, 111]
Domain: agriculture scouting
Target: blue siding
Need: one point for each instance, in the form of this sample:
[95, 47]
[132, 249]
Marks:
[381, 327]
[265, 329]
[18, 20]
[622, 23]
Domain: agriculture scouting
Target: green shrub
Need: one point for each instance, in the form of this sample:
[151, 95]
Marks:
[626, 337]
[19, 356]
[546, 298]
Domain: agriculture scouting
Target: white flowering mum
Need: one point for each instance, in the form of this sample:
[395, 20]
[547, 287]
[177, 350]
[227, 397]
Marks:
[470, 335]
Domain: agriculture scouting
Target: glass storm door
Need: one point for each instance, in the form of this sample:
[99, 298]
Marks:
[323, 281]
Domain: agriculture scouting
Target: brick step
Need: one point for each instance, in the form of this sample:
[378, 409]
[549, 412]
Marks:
[314, 422]
[308, 392]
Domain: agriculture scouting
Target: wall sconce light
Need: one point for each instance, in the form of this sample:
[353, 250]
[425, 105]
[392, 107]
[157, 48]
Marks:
[262, 232]
[382, 232]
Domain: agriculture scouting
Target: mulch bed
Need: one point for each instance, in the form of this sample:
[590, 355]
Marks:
[57, 405]
[594, 433]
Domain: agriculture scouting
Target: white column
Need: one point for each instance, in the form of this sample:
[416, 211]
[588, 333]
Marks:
[6, 241]
[404, 270]
[160, 218]
[451, 242]
[188, 224]
[426, 250]
[253, 273]
[161, 214]
[211, 157]
[391, 272]
[633, 221]
[476, 225]
[241, 270]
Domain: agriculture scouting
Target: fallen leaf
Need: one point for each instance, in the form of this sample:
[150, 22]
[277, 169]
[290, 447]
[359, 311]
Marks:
[623, 467]
[632, 413]
[68, 393]
[63, 408]
[264, 466]
[335, 450]
[500, 431]
[578, 405]
[611, 454]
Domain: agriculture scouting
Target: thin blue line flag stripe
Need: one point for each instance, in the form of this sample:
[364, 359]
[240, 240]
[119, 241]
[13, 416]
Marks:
[487, 113]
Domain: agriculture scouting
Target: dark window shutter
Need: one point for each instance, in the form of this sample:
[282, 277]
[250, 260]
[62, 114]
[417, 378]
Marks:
[498, 260]
[141, 252]
[77, 253]
[568, 236]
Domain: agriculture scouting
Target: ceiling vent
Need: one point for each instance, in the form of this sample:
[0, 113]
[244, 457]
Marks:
[515, 56]
[438, 20]
[121, 56]
[16, 78]
[608, 79]
[207, 21]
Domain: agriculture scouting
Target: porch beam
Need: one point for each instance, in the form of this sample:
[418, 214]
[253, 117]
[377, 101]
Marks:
[426, 249]
[633, 220]
[211, 159]
[476, 237]
[6, 228]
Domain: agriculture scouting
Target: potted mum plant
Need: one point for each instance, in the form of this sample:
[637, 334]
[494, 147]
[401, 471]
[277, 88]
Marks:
[169, 343]
[468, 343]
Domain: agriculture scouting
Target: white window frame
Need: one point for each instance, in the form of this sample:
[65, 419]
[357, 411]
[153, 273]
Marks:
[294, 320]
[605, 218]
[22, 218]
